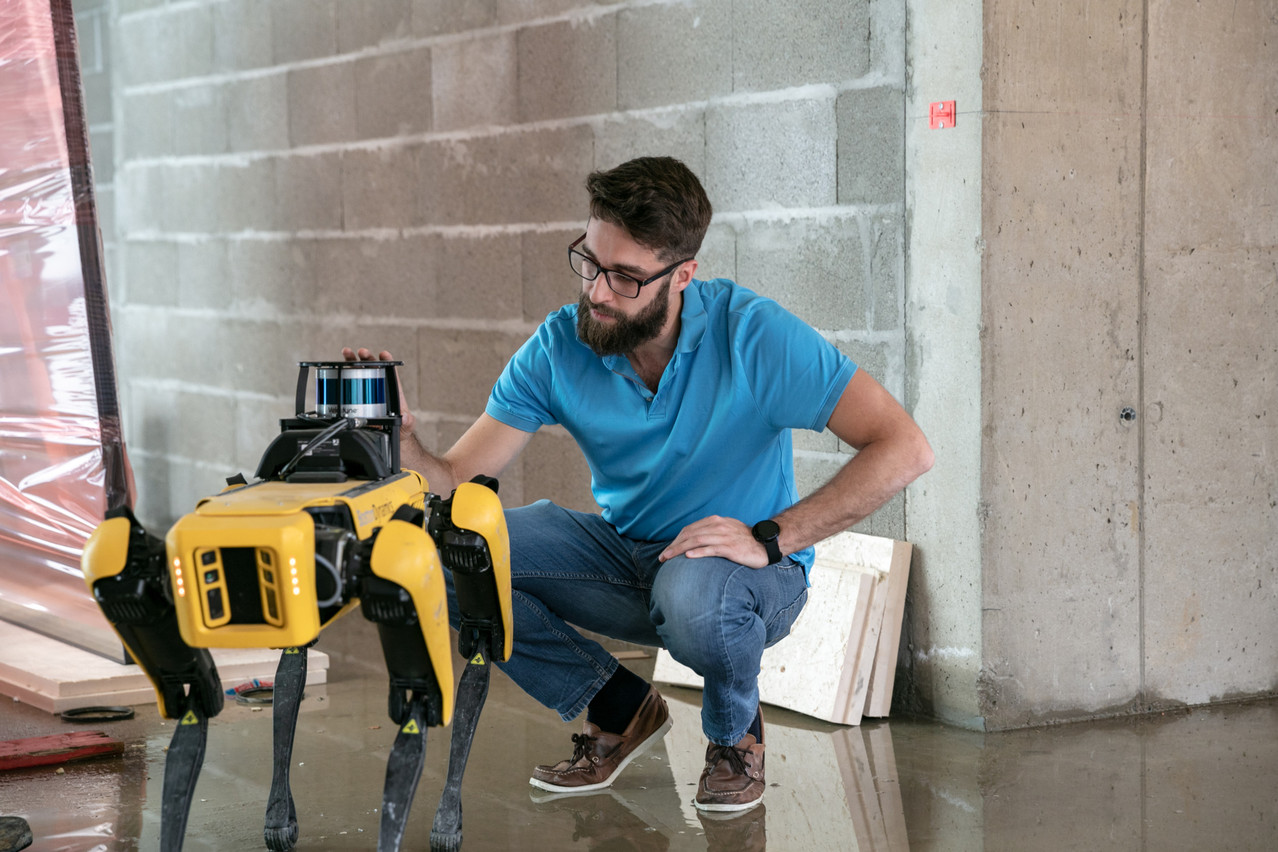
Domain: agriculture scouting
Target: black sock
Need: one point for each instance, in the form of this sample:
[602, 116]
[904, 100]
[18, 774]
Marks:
[617, 702]
[756, 727]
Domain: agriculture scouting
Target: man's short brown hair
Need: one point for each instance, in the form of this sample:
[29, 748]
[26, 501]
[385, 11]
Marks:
[657, 200]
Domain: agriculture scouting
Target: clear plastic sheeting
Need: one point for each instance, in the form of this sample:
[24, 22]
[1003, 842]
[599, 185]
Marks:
[61, 457]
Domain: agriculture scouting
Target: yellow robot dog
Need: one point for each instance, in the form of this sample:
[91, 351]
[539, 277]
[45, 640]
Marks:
[331, 522]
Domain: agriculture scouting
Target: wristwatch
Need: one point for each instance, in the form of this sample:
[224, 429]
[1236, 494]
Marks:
[766, 532]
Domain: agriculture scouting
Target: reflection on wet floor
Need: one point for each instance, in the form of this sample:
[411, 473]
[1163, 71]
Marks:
[1200, 780]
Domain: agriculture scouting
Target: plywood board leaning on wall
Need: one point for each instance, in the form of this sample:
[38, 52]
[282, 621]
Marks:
[839, 661]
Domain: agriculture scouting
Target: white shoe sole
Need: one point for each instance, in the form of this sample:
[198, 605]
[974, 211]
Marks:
[654, 738]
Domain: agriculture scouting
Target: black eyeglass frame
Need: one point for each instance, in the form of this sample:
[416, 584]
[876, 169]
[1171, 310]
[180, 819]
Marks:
[608, 273]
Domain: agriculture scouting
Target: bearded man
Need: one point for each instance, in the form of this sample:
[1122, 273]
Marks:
[682, 395]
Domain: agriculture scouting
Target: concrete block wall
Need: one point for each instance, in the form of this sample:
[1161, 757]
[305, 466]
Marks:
[300, 175]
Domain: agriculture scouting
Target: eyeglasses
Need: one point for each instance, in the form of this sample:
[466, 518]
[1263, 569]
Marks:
[618, 282]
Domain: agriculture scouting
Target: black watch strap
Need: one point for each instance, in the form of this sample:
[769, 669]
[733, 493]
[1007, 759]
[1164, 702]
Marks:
[766, 533]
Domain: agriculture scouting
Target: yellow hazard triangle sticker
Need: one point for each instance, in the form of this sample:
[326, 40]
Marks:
[190, 718]
[411, 727]
[477, 660]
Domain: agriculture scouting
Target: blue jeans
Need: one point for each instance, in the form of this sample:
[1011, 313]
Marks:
[712, 615]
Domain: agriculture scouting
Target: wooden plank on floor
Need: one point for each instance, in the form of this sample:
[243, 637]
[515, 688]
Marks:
[878, 701]
[48, 674]
[56, 748]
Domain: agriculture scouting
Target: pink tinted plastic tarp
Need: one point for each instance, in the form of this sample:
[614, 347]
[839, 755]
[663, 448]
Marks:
[62, 463]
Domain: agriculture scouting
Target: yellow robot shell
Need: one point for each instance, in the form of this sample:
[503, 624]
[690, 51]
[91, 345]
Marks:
[371, 502]
[405, 555]
[106, 552]
[276, 556]
[106, 555]
[478, 508]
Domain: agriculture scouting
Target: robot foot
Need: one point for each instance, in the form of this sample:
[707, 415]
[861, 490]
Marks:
[472, 692]
[181, 770]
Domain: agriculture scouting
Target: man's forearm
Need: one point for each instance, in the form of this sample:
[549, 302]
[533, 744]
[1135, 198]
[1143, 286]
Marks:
[438, 473]
[870, 479]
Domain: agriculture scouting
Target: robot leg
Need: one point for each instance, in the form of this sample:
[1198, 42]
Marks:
[470, 530]
[280, 831]
[126, 570]
[402, 591]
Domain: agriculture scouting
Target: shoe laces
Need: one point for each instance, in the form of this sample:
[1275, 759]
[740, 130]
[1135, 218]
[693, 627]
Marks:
[735, 758]
[581, 743]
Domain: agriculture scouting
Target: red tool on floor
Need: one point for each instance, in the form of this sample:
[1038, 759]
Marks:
[56, 748]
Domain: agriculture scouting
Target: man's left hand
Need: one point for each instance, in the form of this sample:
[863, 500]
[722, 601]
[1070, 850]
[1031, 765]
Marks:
[716, 536]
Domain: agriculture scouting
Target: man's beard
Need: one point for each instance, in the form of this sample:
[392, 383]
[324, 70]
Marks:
[624, 334]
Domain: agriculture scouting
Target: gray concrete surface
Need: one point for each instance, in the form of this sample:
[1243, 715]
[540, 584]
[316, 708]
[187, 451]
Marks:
[1177, 781]
[278, 180]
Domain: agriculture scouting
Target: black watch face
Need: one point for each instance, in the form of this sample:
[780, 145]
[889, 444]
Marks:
[765, 530]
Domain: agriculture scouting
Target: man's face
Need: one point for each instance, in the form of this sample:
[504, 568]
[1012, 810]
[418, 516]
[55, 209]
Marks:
[611, 324]
[615, 333]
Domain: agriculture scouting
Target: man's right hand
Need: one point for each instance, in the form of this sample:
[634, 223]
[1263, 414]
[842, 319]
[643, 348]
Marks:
[407, 419]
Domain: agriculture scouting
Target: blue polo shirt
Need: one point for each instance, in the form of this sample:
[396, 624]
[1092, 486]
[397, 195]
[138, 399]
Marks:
[715, 437]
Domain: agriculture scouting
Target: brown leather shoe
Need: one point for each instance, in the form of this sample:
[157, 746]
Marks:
[598, 756]
[733, 777]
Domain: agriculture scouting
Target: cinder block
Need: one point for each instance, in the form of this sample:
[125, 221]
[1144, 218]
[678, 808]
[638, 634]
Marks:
[777, 45]
[815, 268]
[521, 11]
[549, 283]
[376, 276]
[257, 113]
[380, 187]
[147, 124]
[151, 267]
[699, 33]
[438, 17]
[151, 472]
[199, 120]
[202, 423]
[554, 469]
[393, 94]
[269, 277]
[681, 135]
[257, 423]
[524, 176]
[568, 68]
[243, 35]
[718, 255]
[242, 194]
[361, 25]
[871, 147]
[771, 154]
[104, 197]
[204, 278]
[102, 155]
[480, 277]
[126, 7]
[474, 81]
[463, 366]
[308, 191]
[321, 104]
[177, 45]
[99, 97]
[303, 29]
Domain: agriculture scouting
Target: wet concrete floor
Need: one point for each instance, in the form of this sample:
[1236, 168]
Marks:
[1200, 780]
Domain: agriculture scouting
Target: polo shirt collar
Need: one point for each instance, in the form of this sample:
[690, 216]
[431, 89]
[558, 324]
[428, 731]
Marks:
[692, 319]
